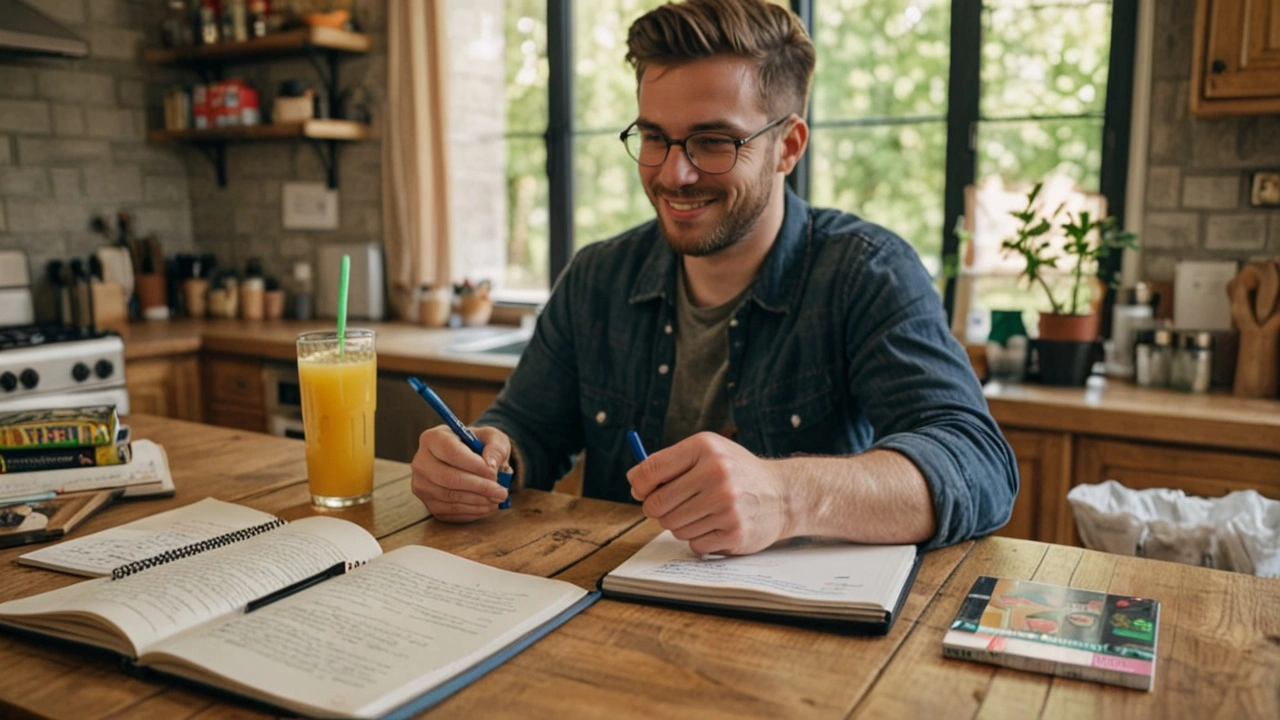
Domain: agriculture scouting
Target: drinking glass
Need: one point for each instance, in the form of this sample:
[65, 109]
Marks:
[339, 397]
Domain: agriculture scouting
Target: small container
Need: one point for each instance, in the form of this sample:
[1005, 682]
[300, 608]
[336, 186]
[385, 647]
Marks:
[1193, 362]
[251, 298]
[1154, 358]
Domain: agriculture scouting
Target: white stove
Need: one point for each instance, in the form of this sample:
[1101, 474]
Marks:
[54, 366]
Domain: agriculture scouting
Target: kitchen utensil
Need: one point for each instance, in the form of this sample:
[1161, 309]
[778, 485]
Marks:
[1253, 293]
[59, 279]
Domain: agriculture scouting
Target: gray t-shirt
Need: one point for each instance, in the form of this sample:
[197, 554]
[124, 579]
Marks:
[699, 398]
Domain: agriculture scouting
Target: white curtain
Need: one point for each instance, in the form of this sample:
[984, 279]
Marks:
[415, 151]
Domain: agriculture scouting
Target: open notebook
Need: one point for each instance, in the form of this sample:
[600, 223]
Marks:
[396, 634]
[853, 588]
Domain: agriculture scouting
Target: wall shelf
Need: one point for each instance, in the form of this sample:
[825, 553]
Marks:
[309, 129]
[281, 44]
[324, 136]
[322, 46]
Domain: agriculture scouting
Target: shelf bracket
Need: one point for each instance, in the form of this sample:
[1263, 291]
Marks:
[328, 152]
[217, 154]
[328, 72]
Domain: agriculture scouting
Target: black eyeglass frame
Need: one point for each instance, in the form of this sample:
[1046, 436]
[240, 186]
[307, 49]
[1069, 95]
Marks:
[737, 143]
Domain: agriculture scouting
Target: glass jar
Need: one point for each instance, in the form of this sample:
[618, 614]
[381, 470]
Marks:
[1193, 362]
[1159, 359]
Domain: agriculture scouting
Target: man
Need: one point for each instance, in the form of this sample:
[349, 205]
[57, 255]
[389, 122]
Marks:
[792, 366]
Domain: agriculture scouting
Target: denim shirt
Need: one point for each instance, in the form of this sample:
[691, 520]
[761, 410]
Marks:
[842, 346]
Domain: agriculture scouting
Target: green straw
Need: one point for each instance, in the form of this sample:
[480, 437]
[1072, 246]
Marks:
[342, 305]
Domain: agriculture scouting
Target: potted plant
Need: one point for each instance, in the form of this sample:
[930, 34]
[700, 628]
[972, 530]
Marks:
[1069, 329]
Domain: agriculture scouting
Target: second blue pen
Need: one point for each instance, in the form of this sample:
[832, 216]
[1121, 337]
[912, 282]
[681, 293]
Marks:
[462, 431]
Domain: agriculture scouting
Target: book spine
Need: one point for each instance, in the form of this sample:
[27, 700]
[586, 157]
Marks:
[1049, 667]
[99, 429]
[15, 461]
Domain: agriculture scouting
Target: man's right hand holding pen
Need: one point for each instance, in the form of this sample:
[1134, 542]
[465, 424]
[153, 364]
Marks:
[454, 483]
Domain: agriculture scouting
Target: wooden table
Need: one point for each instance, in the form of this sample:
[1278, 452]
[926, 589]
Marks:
[1219, 648]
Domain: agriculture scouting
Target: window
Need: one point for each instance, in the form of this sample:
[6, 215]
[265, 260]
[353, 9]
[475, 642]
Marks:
[913, 100]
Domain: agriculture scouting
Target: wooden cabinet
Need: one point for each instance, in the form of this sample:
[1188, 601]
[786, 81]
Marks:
[165, 386]
[1044, 467]
[234, 392]
[1236, 58]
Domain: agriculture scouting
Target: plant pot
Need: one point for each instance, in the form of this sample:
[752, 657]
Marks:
[1068, 328]
[1066, 364]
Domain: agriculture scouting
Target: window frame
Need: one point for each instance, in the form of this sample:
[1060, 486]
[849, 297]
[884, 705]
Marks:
[963, 119]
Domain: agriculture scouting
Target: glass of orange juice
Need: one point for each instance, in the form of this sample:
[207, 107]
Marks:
[339, 397]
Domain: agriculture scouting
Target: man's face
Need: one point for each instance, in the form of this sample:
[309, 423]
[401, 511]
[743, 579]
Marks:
[701, 213]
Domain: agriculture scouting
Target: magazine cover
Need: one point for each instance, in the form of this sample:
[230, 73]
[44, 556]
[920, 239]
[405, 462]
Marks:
[1057, 630]
[62, 427]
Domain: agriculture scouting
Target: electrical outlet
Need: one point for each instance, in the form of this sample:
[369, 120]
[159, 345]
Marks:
[309, 206]
[1265, 189]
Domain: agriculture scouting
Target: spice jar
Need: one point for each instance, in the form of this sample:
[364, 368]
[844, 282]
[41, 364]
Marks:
[1193, 362]
[1153, 357]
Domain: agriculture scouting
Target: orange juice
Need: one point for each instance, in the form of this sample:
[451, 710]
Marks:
[339, 398]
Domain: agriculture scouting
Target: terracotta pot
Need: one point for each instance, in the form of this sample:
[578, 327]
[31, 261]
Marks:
[1068, 328]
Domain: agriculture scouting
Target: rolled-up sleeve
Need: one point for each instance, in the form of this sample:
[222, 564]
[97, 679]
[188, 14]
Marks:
[913, 381]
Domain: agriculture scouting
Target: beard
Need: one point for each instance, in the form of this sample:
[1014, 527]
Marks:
[737, 223]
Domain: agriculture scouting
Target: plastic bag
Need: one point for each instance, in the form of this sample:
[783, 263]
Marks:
[1239, 531]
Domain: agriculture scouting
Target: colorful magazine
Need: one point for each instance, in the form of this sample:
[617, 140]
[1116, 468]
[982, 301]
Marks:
[63, 427]
[1076, 633]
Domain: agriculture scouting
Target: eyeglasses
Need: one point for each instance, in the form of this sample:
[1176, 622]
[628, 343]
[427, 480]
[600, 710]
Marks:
[711, 152]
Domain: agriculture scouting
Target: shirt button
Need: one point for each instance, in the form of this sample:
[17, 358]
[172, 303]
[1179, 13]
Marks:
[663, 369]
[601, 417]
[795, 421]
[731, 384]
[733, 322]
[667, 329]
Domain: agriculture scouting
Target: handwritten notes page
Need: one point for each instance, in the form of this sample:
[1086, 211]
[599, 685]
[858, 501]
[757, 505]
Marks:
[130, 614]
[801, 577]
[369, 641]
[98, 554]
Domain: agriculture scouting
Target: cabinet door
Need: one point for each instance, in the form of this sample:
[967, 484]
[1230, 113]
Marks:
[1207, 473]
[1237, 57]
[1044, 467]
[168, 387]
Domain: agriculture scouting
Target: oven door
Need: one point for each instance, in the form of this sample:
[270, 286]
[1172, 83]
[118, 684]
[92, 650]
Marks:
[109, 396]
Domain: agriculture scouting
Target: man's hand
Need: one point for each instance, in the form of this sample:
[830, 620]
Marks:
[714, 493]
[454, 483]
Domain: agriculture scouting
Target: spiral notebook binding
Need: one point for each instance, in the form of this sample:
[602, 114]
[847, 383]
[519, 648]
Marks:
[195, 548]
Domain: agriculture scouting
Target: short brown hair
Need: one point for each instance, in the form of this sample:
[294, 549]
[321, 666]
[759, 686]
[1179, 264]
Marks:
[763, 31]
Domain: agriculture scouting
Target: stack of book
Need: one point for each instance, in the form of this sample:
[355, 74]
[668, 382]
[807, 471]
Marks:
[58, 467]
[33, 440]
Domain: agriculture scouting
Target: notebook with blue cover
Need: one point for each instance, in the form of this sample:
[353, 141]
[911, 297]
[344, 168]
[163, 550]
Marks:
[396, 634]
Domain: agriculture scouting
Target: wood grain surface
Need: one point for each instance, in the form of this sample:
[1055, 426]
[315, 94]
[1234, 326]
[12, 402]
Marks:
[1219, 636]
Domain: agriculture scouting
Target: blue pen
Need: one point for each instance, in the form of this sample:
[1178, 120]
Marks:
[462, 431]
[637, 447]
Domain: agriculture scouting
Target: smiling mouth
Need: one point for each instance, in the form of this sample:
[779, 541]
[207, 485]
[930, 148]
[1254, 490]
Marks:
[688, 206]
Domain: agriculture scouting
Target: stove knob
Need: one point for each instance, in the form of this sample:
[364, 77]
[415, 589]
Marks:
[30, 378]
[104, 368]
[8, 381]
[80, 372]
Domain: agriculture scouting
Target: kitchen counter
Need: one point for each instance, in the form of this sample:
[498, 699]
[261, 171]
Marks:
[1124, 410]
[402, 347]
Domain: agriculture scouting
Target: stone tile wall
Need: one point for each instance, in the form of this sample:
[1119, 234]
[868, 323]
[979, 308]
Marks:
[1197, 203]
[72, 140]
